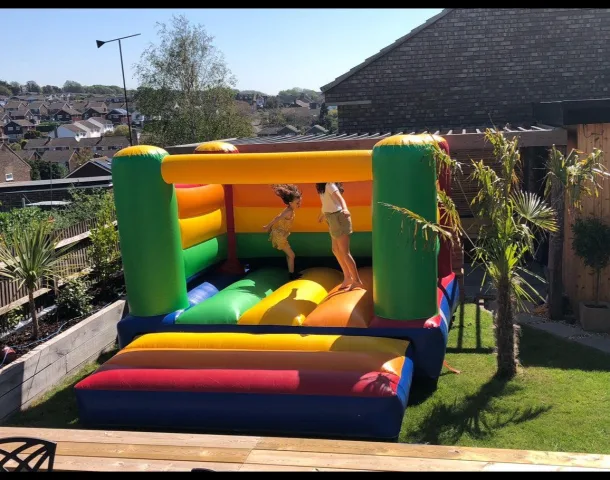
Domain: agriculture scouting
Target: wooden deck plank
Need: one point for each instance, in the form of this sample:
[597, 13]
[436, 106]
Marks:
[133, 438]
[584, 460]
[288, 468]
[388, 463]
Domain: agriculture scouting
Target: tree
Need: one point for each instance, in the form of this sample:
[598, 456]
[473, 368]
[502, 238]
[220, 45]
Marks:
[6, 91]
[331, 121]
[185, 87]
[567, 179]
[70, 86]
[47, 89]
[82, 156]
[28, 255]
[511, 220]
[16, 147]
[32, 134]
[119, 131]
[15, 88]
[272, 102]
[32, 86]
[42, 170]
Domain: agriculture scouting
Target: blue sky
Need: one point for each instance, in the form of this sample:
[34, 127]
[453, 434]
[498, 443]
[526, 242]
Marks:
[266, 49]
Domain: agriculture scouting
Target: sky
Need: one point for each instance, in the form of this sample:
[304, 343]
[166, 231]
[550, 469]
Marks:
[266, 49]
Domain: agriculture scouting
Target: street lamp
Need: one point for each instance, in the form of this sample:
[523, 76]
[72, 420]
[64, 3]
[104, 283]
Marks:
[99, 44]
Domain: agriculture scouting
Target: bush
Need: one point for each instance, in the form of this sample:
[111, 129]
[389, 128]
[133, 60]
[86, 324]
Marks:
[104, 241]
[591, 243]
[74, 300]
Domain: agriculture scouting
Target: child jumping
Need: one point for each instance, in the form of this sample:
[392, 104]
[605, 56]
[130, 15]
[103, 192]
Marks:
[334, 209]
[279, 228]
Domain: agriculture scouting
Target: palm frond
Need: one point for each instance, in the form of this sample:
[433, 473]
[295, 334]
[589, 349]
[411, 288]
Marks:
[533, 209]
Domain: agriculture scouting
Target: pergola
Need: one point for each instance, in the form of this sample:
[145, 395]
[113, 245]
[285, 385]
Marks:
[462, 138]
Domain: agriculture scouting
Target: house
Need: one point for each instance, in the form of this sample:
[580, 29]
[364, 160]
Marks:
[25, 114]
[117, 116]
[94, 112]
[101, 105]
[97, 167]
[37, 144]
[301, 103]
[12, 167]
[13, 105]
[61, 157]
[39, 108]
[316, 130]
[137, 119]
[61, 144]
[56, 107]
[15, 129]
[107, 145]
[473, 66]
[4, 119]
[67, 115]
[27, 155]
[105, 124]
[89, 143]
[69, 130]
[79, 106]
[93, 130]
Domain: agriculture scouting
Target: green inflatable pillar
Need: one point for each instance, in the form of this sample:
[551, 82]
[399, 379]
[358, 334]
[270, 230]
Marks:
[147, 217]
[404, 265]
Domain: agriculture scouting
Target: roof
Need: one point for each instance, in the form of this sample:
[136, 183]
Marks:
[103, 165]
[120, 111]
[36, 143]
[13, 104]
[56, 181]
[88, 124]
[458, 138]
[22, 112]
[7, 153]
[69, 111]
[97, 109]
[316, 129]
[22, 123]
[57, 105]
[387, 49]
[36, 104]
[57, 156]
[102, 120]
[88, 142]
[73, 128]
[114, 141]
[63, 142]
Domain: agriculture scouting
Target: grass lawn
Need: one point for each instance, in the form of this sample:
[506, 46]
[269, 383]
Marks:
[559, 402]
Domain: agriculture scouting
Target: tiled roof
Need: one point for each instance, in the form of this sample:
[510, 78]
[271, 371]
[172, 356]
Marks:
[57, 156]
[63, 142]
[36, 143]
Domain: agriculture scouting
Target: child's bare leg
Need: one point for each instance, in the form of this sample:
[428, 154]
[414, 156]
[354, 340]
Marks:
[289, 258]
[340, 258]
[343, 244]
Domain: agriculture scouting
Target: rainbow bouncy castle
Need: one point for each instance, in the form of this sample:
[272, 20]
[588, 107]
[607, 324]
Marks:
[219, 339]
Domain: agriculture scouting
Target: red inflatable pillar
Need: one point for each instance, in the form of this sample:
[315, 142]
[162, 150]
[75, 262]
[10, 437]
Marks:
[232, 265]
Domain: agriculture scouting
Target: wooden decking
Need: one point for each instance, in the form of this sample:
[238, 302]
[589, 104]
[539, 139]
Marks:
[118, 451]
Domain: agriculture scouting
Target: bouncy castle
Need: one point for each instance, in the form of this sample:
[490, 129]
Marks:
[219, 339]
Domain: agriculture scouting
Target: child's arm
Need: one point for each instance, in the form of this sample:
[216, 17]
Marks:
[341, 200]
[283, 213]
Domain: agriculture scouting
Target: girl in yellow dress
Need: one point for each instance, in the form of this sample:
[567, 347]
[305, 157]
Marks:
[279, 228]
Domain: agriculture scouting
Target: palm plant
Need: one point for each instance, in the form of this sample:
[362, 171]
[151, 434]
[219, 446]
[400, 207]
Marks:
[568, 179]
[512, 218]
[28, 255]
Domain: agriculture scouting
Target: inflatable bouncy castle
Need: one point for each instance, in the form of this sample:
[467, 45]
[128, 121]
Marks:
[219, 339]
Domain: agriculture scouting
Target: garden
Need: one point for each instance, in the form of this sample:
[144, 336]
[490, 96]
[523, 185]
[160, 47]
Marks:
[64, 264]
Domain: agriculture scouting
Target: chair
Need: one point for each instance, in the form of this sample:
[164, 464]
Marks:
[29, 454]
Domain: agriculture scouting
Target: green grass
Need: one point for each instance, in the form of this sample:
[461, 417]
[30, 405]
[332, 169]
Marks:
[560, 400]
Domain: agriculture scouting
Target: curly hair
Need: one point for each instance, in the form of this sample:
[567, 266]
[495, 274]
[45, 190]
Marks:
[288, 192]
[321, 187]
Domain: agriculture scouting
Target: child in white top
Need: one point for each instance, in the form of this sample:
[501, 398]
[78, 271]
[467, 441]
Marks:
[335, 210]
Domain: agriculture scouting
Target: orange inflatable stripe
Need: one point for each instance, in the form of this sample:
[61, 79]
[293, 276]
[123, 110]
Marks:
[196, 230]
[252, 219]
[260, 360]
[356, 194]
[345, 309]
[196, 201]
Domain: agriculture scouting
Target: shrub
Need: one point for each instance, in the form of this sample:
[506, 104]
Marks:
[74, 300]
[104, 241]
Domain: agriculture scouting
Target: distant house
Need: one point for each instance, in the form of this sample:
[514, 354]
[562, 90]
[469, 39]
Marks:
[56, 107]
[314, 105]
[4, 119]
[39, 108]
[105, 124]
[15, 129]
[70, 130]
[12, 167]
[89, 143]
[301, 103]
[93, 130]
[117, 116]
[37, 145]
[67, 115]
[60, 144]
[277, 130]
[60, 157]
[316, 130]
[14, 105]
[25, 114]
[94, 111]
[97, 167]
[101, 105]
[79, 106]
[111, 144]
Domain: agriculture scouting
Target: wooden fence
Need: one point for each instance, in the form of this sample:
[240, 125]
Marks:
[577, 279]
[73, 262]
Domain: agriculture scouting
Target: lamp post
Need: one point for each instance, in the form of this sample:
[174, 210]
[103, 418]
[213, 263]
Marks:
[99, 44]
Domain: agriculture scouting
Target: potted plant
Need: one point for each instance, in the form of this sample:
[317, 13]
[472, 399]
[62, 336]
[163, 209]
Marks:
[591, 243]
